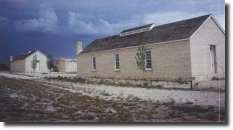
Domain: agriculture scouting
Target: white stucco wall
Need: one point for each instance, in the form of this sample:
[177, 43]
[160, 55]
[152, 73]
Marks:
[208, 33]
[67, 65]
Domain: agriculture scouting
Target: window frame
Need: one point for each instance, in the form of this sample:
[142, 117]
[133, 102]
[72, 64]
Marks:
[145, 62]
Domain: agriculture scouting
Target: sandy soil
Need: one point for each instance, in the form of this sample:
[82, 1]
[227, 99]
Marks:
[204, 98]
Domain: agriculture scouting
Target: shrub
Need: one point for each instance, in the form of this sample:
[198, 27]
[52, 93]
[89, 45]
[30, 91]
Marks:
[172, 101]
[181, 81]
[101, 81]
[145, 84]
[196, 84]
[215, 78]
[159, 86]
[59, 77]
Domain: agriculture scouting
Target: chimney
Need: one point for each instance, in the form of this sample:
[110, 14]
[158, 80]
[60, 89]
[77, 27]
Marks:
[11, 58]
[79, 47]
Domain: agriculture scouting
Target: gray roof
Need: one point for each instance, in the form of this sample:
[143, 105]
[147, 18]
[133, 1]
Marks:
[23, 56]
[162, 33]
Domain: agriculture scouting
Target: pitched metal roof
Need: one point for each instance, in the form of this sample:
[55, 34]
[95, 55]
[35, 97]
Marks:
[162, 33]
[24, 56]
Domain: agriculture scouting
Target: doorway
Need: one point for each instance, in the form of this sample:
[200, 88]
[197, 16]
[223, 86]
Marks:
[213, 58]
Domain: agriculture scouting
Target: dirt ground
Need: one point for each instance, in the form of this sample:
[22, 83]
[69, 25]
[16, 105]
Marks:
[23, 100]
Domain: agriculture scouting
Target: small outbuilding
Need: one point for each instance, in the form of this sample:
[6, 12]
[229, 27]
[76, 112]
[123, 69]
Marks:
[67, 65]
[31, 62]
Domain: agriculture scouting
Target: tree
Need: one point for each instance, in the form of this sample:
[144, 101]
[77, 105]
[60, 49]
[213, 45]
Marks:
[34, 63]
[140, 57]
[50, 64]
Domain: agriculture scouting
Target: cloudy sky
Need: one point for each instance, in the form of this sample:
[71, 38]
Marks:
[53, 26]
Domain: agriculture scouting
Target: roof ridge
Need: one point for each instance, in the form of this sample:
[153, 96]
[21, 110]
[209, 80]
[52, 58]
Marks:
[185, 20]
[140, 26]
[155, 26]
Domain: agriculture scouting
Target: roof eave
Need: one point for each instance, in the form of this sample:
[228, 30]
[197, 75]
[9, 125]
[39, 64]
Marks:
[184, 39]
[218, 24]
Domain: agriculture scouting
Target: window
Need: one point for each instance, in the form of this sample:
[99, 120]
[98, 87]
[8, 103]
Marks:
[93, 63]
[117, 62]
[213, 58]
[148, 62]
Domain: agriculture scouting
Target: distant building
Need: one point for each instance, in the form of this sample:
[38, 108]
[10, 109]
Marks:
[193, 48]
[67, 65]
[30, 62]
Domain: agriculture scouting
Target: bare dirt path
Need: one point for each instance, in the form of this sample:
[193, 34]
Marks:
[33, 101]
[109, 92]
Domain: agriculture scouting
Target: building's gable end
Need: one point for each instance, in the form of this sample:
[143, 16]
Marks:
[43, 67]
[215, 22]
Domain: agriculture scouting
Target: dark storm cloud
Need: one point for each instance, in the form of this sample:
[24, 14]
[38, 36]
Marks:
[101, 16]
[50, 25]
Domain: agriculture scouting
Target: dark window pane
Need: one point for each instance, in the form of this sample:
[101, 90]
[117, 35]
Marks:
[117, 61]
